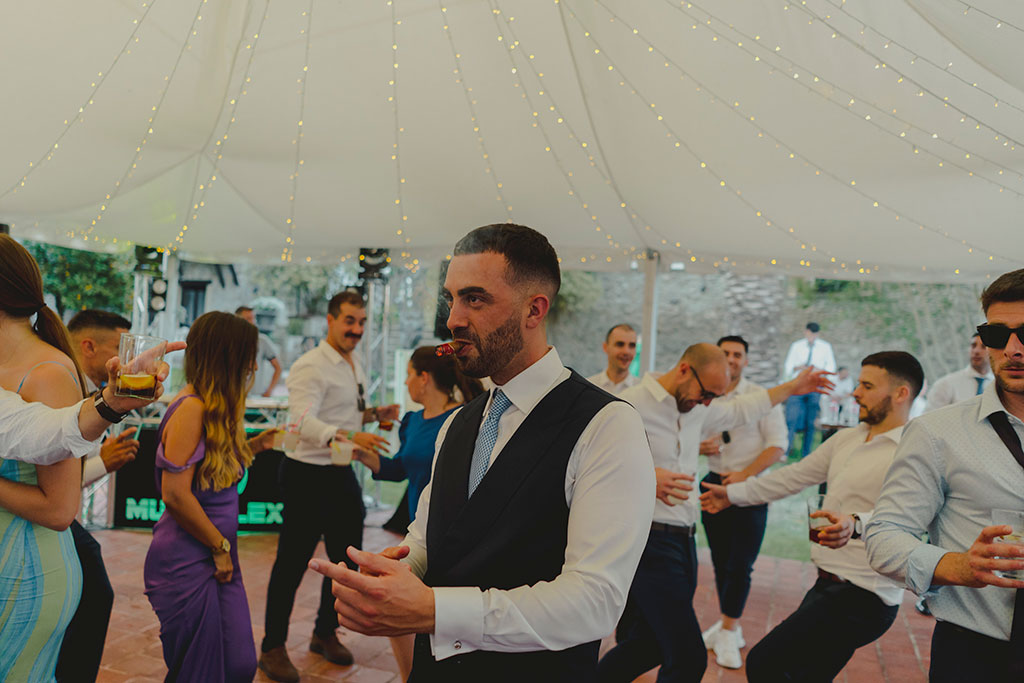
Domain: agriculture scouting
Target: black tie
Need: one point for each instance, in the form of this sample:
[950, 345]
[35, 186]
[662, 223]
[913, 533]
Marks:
[1001, 423]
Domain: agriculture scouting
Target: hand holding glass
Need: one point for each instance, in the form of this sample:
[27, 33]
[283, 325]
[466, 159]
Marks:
[141, 358]
[1014, 519]
[815, 504]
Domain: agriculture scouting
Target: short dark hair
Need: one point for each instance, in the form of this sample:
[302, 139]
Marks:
[242, 309]
[735, 338]
[349, 296]
[901, 365]
[621, 326]
[814, 327]
[530, 256]
[92, 318]
[1007, 288]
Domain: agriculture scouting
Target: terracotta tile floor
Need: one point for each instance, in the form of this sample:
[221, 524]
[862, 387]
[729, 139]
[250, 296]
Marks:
[133, 647]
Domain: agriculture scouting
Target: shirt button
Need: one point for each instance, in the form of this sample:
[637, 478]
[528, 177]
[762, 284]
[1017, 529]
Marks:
[458, 645]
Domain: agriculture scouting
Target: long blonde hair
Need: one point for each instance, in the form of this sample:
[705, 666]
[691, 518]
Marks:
[219, 363]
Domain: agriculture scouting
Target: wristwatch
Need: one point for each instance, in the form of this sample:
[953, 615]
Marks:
[858, 526]
[223, 547]
[104, 409]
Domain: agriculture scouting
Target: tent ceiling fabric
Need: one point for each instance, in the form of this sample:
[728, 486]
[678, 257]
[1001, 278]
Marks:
[748, 135]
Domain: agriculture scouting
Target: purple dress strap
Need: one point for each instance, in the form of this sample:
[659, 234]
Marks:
[163, 463]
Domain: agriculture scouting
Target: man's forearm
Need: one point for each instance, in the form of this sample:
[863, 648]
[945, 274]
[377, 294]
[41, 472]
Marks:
[766, 459]
[780, 392]
[90, 423]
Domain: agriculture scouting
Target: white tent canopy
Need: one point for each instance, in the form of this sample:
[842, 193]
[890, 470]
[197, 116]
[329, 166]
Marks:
[816, 138]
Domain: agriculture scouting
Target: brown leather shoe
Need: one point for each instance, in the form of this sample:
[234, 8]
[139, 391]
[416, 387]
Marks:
[277, 666]
[331, 649]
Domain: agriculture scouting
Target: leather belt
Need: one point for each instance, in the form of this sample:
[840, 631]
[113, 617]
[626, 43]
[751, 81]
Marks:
[686, 531]
[829, 576]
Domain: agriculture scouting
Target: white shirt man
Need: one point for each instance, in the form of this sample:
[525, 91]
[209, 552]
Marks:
[40, 435]
[850, 605]
[620, 347]
[811, 350]
[964, 383]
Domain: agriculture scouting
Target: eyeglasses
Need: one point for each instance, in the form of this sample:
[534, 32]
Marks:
[998, 336]
[705, 395]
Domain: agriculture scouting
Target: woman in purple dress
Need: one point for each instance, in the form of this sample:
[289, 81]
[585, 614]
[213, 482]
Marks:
[192, 576]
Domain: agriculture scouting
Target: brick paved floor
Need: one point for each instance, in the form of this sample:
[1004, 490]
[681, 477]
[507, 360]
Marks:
[133, 647]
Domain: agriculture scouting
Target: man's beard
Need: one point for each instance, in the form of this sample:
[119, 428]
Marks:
[877, 413]
[495, 351]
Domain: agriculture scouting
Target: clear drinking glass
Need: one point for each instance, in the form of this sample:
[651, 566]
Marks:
[140, 358]
[814, 504]
[1015, 519]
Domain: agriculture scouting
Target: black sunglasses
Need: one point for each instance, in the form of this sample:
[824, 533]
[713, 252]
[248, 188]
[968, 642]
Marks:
[998, 336]
[705, 395]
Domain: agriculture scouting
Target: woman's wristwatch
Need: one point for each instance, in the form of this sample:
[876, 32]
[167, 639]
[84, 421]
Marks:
[223, 547]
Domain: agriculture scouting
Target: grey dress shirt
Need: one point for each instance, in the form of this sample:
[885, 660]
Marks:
[950, 472]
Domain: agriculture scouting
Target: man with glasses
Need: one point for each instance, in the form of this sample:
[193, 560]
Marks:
[325, 399]
[956, 470]
[678, 409]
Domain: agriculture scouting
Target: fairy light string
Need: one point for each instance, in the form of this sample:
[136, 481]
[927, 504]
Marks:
[396, 149]
[288, 250]
[786, 147]
[474, 118]
[79, 115]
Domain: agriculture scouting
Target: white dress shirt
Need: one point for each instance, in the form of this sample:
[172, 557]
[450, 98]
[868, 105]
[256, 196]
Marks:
[675, 437]
[323, 397]
[854, 469]
[608, 485]
[37, 434]
[602, 380]
[951, 471]
[747, 441]
[820, 353]
[957, 386]
[93, 469]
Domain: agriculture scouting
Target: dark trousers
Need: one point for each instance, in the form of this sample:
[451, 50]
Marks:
[801, 412]
[959, 654]
[82, 649]
[734, 536]
[663, 628]
[816, 641]
[319, 501]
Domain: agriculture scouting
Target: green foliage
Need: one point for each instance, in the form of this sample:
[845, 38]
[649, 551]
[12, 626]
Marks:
[85, 279]
[309, 287]
[580, 290]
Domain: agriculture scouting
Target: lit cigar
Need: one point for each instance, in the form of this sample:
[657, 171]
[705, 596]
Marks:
[448, 348]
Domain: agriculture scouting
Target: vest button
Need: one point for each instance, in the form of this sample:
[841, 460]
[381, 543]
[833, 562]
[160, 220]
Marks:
[458, 645]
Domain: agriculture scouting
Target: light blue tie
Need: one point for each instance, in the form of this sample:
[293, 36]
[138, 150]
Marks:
[486, 439]
[981, 383]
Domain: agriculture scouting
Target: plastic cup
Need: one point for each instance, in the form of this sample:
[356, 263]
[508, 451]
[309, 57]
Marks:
[1015, 519]
[341, 453]
[140, 357]
[815, 524]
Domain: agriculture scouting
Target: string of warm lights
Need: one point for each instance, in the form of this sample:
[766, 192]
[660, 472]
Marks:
[946, 69]
[474, 119]
[396, 148]
[876, 113]
[79, 115]
[905, 79]
[537, 122]
[679, 143]
[582, 145]
[289, 241]
[999, 23]
[150, 121]
[787, 148]
[197, 203]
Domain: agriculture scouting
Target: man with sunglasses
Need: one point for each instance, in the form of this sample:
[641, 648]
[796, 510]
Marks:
[677, 409]
[321, 499]
[954, 468]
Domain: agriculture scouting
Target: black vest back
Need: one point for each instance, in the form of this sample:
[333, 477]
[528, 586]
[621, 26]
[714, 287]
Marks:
[511, 532]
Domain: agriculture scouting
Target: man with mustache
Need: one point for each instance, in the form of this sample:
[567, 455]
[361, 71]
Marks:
[525, 541]
[620, 347]
[321, 499]
[677, 407]
[955, 469]
[850, 605]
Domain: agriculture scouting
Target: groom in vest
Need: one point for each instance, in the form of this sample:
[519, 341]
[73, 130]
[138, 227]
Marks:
[527, 538]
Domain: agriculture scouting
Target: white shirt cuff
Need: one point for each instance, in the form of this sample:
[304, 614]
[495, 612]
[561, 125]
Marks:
[325, 436]
[738, 494]
[94, 469]
[458, 621]
[73, 439]
[921, 567]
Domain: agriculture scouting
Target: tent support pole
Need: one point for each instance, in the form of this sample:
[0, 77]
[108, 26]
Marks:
[652, 259]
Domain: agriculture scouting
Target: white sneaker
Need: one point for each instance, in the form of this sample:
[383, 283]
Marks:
[709, 635]
[727, 650]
